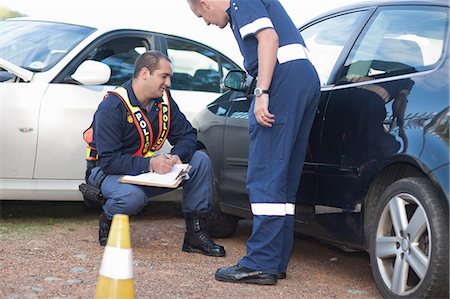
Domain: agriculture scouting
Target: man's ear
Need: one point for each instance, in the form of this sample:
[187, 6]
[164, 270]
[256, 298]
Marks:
[144, 73]
[204, 4]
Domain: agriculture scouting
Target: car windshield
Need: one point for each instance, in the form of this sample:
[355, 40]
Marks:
[36, 45]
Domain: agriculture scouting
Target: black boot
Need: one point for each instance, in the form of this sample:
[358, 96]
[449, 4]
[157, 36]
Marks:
[103, 231]
[196, 238]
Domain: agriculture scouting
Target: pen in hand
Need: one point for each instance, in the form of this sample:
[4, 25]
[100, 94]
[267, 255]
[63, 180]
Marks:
[174, 159]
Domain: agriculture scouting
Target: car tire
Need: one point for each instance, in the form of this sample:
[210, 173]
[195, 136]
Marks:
[409, 241]
[220, 225]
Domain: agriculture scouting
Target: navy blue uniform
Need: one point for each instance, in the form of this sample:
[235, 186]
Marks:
[276, 153]
[116, 140]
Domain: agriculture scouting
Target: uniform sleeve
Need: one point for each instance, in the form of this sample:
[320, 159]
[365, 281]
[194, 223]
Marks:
[251, 16]
[182, 135]
[108, 132]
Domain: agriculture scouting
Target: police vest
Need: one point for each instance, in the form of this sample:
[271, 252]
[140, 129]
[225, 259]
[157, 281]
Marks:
[147, 147]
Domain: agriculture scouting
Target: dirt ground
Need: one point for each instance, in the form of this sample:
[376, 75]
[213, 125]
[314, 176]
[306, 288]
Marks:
[50, 250]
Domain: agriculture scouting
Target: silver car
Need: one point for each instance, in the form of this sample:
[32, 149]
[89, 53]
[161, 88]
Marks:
[54, 75]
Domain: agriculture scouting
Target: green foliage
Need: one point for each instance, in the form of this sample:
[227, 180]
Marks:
[6, 13]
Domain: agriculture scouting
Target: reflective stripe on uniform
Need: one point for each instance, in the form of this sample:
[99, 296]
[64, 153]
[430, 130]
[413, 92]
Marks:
[292, 52]
[255, 26]
[147, 148]
[273, 209]
[290, 209]
[164, 120]
[140, 120]
[91, 153]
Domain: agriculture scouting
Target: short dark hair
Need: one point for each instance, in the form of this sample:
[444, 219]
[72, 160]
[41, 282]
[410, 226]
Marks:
[150, 60]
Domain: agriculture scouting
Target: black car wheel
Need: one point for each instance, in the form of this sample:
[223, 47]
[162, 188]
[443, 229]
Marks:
[409, 241]
[220, 225]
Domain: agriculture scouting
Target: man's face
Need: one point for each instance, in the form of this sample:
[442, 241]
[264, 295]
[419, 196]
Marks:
[159, 80]
[212, 11]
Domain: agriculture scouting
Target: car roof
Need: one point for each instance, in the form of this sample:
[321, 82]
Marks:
[103, 27]
[364, 4]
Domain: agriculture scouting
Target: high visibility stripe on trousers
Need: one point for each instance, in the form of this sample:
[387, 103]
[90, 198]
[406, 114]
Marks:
[273, 209]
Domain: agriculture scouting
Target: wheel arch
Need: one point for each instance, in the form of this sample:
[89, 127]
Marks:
[394, 171]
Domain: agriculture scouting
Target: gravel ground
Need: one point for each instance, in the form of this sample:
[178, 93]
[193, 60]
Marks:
[51, 251]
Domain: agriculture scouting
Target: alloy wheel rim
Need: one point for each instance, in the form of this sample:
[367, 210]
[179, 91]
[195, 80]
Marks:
[403, 244]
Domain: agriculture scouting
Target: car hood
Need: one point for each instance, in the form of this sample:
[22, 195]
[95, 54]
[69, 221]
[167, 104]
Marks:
[20, 72]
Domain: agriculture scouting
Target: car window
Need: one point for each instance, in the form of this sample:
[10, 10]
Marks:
[326, 39]
[221, 105]
[120, 54]
[196, 67]
[240, 108]
[37, 45]
[399, 40]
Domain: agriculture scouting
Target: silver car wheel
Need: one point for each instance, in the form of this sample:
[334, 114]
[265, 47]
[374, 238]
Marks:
[403, 244]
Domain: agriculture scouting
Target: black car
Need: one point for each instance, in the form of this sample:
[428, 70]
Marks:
[376, 176]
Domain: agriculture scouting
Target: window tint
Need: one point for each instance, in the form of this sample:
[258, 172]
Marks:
[120, 55]
[399, 40]
[326, 39]
[196, 67]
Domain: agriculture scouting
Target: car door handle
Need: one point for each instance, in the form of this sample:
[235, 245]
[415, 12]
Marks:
[237, 162]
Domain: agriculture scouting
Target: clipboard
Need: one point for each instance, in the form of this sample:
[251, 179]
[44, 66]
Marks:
[172, 179]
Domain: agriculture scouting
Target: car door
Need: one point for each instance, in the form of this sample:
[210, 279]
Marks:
[18, 124]
[328, 41]
[365, 115]
[235, 151]
[67, 108]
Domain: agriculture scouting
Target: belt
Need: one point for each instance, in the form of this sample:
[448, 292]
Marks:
[100, 180]
[292, 52]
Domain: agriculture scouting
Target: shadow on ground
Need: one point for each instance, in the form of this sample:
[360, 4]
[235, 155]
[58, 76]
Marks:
[64, 209]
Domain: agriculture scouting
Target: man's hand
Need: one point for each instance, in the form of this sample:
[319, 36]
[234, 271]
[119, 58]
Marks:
[175, 158]
[261, 110]
[164, 163]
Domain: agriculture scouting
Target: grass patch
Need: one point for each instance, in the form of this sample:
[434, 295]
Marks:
[32, 219]
[35, 228]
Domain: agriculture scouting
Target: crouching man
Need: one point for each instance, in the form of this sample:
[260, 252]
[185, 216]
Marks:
[130, 124]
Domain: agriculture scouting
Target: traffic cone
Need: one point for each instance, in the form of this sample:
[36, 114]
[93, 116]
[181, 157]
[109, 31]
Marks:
[115, 278]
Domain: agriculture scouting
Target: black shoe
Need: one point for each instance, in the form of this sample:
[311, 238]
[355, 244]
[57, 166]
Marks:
[103, 230]
[241, 274]
[196, 238]
[281, 275]
[199, 242]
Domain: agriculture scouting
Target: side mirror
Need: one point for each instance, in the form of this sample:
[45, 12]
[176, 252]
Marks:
[92, 72]
[236, 80]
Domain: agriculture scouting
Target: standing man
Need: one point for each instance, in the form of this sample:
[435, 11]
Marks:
[280, 119]
[130, 124]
